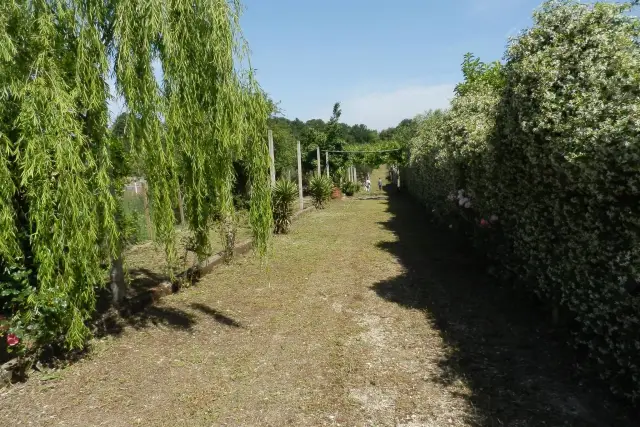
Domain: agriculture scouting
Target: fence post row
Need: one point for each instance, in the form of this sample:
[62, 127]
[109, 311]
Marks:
[147, 213]
[300, 177]
[326, 154]
[272, 165]
[352, 173]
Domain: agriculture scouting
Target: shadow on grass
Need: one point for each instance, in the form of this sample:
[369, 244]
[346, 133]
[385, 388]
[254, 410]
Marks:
[216, 315]
[113, 322]
[370, 197]
[139, 309]
[166, 316]
[143, 279]
[519, 368]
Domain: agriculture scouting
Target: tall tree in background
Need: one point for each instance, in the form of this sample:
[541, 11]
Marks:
[285, 146]
[359, 134]
[403, 133]
[335, 140]
[336, 136]
[334, 130]
[58, 201]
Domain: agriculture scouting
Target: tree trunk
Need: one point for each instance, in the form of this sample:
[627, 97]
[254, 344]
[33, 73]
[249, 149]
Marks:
[229, 238]
[118, 285]
[181, 206]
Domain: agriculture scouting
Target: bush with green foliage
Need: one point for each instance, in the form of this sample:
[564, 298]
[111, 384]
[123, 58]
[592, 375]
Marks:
[427, 174]
[283, 195]
[543, 156]
[320, 188]
[350, 188]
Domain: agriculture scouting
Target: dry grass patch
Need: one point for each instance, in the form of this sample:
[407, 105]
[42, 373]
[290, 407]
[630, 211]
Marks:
[333, 331]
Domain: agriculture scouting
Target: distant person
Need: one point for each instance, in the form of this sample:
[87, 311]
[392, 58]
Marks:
[367, 185]
[380, 184]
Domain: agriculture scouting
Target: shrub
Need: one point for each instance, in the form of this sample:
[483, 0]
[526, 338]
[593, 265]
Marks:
[567, 173]
[284, 194]
[542, 158]
[427, 174]
[320, 188]
[350, 188]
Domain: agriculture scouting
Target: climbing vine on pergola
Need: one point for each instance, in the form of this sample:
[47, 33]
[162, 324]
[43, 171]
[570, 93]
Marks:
[372, 155]
[58, 192]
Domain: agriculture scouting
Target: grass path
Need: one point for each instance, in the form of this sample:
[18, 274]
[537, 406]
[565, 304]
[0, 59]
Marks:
[363, 317]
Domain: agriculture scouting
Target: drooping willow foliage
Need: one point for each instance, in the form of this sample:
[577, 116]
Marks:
[58, 169]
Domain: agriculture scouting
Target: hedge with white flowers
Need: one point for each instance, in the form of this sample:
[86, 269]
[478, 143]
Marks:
[549, 161]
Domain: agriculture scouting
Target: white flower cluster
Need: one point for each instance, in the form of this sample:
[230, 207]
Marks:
[557, 157]
[463, 201]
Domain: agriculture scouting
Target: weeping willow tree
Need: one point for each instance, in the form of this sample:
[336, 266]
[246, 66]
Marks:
[60, 169]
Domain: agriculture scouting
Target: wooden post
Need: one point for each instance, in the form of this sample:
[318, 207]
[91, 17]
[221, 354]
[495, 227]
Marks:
[272, 166]
[118, 284]
[300, 177]
[147, 213]
[326, 154]
[180, 206]
[318, 153]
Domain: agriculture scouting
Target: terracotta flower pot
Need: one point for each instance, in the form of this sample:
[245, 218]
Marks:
[336, 193]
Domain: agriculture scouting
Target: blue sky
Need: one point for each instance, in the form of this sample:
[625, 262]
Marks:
[383, 60]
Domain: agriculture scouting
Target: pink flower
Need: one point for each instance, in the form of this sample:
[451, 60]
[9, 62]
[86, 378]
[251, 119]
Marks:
[12, 340]
[483, 223]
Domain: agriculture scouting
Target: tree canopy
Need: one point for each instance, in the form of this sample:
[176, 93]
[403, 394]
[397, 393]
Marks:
[333, 135]
[59, 160]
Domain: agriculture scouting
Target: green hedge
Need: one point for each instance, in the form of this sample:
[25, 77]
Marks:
[541, 156]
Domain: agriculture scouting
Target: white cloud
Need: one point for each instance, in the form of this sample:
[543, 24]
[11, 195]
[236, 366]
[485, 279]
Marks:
[381, 110]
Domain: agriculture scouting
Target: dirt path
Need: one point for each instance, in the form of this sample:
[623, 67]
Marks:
[364, 317]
